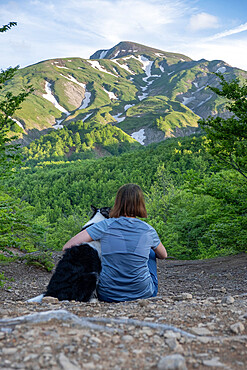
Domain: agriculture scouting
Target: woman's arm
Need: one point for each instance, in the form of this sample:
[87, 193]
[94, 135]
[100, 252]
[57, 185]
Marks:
[160, 251]
[82, 237]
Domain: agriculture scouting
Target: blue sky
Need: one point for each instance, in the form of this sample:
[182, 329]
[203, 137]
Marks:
[210, 29]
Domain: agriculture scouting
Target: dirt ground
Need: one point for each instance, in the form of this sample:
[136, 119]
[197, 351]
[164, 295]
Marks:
[204, 304]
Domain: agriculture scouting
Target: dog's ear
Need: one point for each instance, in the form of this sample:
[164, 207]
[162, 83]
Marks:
[105, 211]
[94, 209]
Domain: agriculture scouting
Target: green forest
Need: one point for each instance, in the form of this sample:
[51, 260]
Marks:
[197, 208]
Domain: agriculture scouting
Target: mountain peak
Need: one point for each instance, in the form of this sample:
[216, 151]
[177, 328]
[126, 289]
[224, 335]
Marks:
[126, 48]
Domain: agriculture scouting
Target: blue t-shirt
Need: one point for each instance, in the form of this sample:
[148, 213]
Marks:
[125, 246]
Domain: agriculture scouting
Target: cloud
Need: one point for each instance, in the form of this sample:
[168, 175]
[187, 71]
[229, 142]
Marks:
[202, 21]
[234, 54]
[241, 28]
[87, 25]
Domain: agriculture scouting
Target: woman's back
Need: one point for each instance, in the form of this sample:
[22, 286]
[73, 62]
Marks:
[125, 243]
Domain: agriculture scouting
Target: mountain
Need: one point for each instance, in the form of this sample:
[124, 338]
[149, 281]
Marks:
[146, 93]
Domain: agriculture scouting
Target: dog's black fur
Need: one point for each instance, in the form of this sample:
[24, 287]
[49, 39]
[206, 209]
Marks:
[77, 273]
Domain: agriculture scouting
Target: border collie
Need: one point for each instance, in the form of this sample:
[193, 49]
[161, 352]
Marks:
[77, 273]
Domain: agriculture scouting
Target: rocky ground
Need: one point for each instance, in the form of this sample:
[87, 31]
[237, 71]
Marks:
[198, 321]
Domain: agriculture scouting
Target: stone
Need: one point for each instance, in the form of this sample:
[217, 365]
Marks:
[66, 364]
[128, 338]
[214, 362]
[147, 331]
[50, 300]
[172, 334]
[174, 345]
[172, 362]
[228, 299]
[204, 340]
[237, 328]
[186, 296]
[201, 331]
[9, 351]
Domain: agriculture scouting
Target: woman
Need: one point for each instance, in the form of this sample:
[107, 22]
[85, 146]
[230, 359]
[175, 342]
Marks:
[129, 249]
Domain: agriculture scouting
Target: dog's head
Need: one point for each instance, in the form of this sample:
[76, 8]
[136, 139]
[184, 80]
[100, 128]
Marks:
[98, 215]
[104, 211]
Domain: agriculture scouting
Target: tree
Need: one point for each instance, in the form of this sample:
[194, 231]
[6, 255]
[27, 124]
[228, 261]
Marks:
[9, 103]
[227, 138]
[17, 226]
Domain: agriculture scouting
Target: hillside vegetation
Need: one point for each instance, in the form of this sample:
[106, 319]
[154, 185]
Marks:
[193, 205]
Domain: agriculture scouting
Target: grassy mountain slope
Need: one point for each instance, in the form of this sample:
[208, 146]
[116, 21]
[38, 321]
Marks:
[130, 86]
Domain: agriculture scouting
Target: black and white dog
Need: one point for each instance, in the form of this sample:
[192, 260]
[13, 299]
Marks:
[77, 273]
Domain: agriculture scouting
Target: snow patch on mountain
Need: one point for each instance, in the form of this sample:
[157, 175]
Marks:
[187, 100]
[221, 70]
[204, 101]
[18, 122]
[62, 67]
[57, 126]
[118, 118]
[87, 116]
[103, 54]
[124, 66]
[96, 65]
[200, 88]
[116, 54]
[139, 136]
[162, 69]
[86, 100]
[50, 97]
[110, 94]
[147, 64]
[71, 78]
[143, 96]
[127, 106]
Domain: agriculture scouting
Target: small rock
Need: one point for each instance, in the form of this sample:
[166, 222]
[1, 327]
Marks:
[96, 340]
[66, 364]
[237, 328]
[201, 331]
[172, 362]
[89, 365]
[143, 303]
[50, 300]
[9, 351]
[174, 345]
[183, 297]
[214, 362]
[127, 338]
[228, 299]
[172, 334]
[147, 331]
[204, 340]
[186, 296]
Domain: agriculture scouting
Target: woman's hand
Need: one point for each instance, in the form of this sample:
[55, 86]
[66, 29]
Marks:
[82, 237]
[160, 251]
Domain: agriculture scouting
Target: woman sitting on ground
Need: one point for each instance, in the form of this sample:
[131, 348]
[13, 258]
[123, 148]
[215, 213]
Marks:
[129, 249]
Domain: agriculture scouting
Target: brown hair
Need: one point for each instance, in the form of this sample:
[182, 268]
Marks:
[129, 202]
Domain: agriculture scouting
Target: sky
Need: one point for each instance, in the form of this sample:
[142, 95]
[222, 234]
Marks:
[46, 29]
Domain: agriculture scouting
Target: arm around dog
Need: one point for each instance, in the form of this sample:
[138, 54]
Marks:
[160, 251]
[82, 237]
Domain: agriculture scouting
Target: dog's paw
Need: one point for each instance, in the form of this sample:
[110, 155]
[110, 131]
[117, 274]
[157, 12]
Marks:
[93, 300]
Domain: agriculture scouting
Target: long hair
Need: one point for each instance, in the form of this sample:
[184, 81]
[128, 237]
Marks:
[129, 202]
